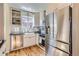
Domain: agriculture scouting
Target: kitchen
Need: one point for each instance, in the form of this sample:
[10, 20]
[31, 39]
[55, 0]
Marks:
[39, 29]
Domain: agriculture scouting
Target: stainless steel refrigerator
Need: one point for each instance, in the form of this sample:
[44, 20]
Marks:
[59, 32]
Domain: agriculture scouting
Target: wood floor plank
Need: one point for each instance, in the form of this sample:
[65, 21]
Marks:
[29, 51]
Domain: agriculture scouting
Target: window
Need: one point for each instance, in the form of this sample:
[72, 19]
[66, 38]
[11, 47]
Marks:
[27, 23]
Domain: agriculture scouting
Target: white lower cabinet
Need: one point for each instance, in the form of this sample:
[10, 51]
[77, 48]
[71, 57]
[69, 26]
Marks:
[21, 41]
[29, 40]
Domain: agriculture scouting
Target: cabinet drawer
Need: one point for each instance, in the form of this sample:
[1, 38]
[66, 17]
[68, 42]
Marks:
[29, 41]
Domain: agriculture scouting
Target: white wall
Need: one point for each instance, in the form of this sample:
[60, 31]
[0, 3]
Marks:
[37, 18]
[55, 6]
[1, 22]
[2, 49]
[75, 29]
[7, 25]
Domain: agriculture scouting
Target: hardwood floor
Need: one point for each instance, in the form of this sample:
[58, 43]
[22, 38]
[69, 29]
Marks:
[29, 51]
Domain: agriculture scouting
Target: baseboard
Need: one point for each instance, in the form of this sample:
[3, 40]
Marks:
[20, 48]
[41, 47]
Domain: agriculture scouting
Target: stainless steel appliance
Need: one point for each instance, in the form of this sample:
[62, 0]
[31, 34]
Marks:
[59, 32]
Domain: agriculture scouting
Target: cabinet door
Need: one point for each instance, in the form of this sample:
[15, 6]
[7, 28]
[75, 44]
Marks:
[26, 42]
[29, 41]
[19, 41]
[12, 42]
[32, 40]
[16, 41]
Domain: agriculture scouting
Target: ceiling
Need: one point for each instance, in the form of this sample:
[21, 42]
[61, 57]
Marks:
[30, 6]
[36, 7]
